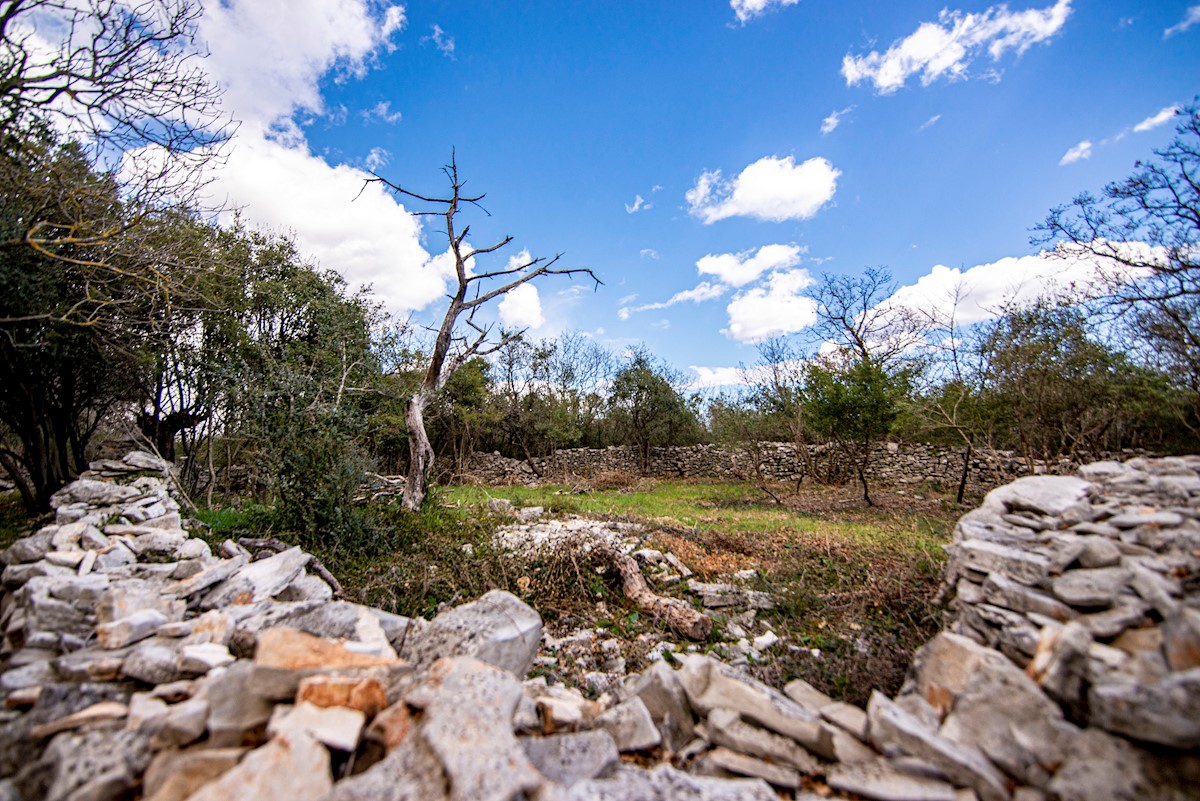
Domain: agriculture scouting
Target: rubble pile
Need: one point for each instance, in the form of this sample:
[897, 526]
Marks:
[136, 663]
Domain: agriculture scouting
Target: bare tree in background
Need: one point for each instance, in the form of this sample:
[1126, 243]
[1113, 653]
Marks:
[452, 348]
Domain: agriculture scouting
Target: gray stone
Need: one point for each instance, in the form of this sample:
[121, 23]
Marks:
[1001, 712]
[128, 630]
[184, 723]
[211, 575]
[717, 596]
[468, 710]
[895, 731]
[879, 781]
[259, 580]
[1090, 589]
[1046, 495]
[234, 708]
[942, 667]
[711, 685]
[28, 549]
[1099, 552]
[847, 717]
[989, 557]
[409, 772]
[93, 493]
[1128, 613]
[1003, 591]
[1060, 666]
[665, 783]
[726, 728]
[806, 695]
[338, 727]
[570, 758]
[153, 661]
[99, 765]
[662, 693]
[123, 599]
[733, 762]
[498, 629]
[203, 657]
[1167, 713]
[1101, 767]
[116, 555]
[1157, 519]
[630, 725]
[306, 588]
[292, 767]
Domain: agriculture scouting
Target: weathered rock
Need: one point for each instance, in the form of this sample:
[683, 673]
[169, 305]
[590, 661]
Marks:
[630, 725]
[661, 691]
[292, 767]
[1095, 588]
[234, 708]
[1167, 713]
[1181, 638]
[128, 630]
[878, 781]
[725, 759]
[571, 758]
[847, 717]
[198, 658]
[1060, 666]
[101, 765]
[1003, 591]
[102, 712]
[1022, 566]
[665, 782]
[1101, 767]
[1046, 495]
[942, 667]
[364, 693]
[711, 685]
[153, 661]
[806, 695]
[259, 580]
[285, 656]
[467, 724]
[726, 728]
[175, 775]
[498, 629]
[1001, 712]
[336, 726]
[895, 731]
[92, 492]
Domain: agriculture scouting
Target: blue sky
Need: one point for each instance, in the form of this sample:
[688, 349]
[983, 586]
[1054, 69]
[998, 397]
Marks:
[707, 159]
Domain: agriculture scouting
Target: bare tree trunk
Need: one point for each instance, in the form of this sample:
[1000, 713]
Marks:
[681, 617]
[420, 452]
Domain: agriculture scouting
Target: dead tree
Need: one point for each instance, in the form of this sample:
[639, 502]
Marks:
[451, 349]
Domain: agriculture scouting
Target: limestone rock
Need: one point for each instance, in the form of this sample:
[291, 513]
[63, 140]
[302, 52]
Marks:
[259, 580]
[1095, 588]
[175, 775]
[498, 629]
[879, 781]
[630, 725]
[336, 726]
[665, 782]
[364, 693]
[285, 656]
[1167, 712]
[1046, 495]
[895, 731]
[570, 758]
[726, 728]
[234, 707]
[661, 691]
[725, 759]
[291, 767]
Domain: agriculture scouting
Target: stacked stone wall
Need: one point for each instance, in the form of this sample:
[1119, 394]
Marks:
[891, 463]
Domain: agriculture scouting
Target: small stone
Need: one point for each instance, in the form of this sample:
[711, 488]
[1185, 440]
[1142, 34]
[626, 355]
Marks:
[630, 725]
[203, 657]
[806, 695]
[259, 580]
[744, 765]
[571, 758]
[499, 629]
[989, 557]
[1181, 638]
[336, 726]
[662, 693]
[102, 712]
[1089, 589]
[234, 708]
[1045, 495]
[292, 767]
[880, 782]
[1167, 713]
[152, 661]
[726, 728]
[176, 775]
[848, 717]
[285, 656]
[366, 694]
[136, 627]
[1099, 552]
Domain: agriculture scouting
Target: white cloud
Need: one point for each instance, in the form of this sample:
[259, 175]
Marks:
[747, 10]
[739, 269]
[1190, 18]
[442, 41]
[639, 204]
[1161, 118]
[982, 289]
[698, 294]
[522, 308]
[778, 308]
[771, 188]
[382, 111]
[377, 159]
[946, 48]
[929, 123]
[713, 377]
[1083, 150]
[270, 55]
[649, 253]
[288, 188]
[830, 123]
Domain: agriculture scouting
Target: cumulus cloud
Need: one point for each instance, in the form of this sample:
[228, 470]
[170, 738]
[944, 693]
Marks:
[639, 204]
[522, 308]
[377, 159]
[929, 123]
[1191, 17]
[1161, 118]
[739, 269]
[747, 10]
[779, 307]
[649, 253]
[772, 188]
[289, 189]
[830, 123]
[1083, 150]
[270, 55]
[946, 48]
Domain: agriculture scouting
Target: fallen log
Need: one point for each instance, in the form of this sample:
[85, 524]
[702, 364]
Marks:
[678, 615]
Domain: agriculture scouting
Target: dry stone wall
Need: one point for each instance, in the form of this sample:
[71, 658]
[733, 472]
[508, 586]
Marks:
[136, 663]
[891, 463]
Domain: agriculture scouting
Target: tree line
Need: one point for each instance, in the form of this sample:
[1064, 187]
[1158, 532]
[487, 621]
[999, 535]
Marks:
[124, 306]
